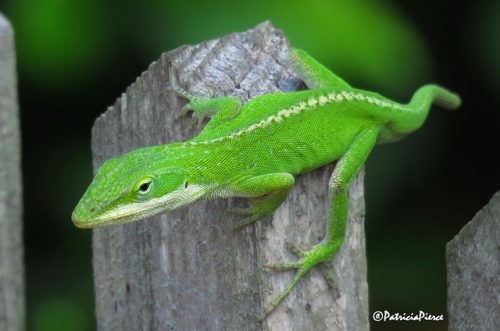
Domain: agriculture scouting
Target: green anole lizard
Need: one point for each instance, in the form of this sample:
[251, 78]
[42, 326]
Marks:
[255, 150]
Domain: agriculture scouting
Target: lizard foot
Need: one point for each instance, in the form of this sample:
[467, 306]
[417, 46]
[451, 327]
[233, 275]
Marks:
[201, 107]
[253, 213]
[259, 207]
[320, 253]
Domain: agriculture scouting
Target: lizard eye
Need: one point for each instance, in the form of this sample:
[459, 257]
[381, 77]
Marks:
[143, 187]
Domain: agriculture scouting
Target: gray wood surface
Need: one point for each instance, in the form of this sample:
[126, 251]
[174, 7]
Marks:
[11, 247]
[473, 265]
[189, 270]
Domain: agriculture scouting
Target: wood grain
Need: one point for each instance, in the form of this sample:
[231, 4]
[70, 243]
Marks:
[473, 266]
[11, 242]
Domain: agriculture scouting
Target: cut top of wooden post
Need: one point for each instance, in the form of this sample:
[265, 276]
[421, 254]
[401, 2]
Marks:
[190, 270]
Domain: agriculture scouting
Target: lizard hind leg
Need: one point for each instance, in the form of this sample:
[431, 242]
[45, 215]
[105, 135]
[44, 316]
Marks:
[345, 170]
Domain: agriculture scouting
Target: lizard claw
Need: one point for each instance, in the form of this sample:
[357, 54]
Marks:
[199, 119]
[282, 266]
[181, 92]
[184, 110]
[242, 211]
[295, 249]
[246, 221]
[329, 277]
[253, 213]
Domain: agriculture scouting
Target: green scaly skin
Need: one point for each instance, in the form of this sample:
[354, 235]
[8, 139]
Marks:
[255, 150]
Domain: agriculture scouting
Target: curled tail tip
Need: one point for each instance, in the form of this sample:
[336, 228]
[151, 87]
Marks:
[458, 102]
[452, 101]
[444, 97]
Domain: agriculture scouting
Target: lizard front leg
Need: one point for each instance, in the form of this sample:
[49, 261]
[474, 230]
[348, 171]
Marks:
[220, 110]
[313, 73]
[347, 167]
[266, 192]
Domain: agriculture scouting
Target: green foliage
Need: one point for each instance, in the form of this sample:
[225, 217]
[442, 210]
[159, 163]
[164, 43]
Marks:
[58, 41]
[61, 41]
[59, 314]
[366, 41]
[486, 37]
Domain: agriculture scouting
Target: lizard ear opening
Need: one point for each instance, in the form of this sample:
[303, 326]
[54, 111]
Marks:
[168, 182]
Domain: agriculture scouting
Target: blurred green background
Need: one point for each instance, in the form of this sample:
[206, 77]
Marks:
[75, 57]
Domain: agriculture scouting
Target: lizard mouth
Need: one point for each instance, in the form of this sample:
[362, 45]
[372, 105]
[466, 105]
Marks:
[139, 210]
[121, 215]
[104, 222]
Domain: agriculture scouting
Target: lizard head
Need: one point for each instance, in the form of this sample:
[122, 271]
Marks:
[134, 186]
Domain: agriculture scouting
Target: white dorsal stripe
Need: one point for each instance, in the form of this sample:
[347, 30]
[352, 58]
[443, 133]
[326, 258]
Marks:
[333, 97]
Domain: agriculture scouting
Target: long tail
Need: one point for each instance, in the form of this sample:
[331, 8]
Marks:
[436, 94]
[420, 104]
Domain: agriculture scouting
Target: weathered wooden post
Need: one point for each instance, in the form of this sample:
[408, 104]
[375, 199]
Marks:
[189, 270]
[473, 264]
[11, 243]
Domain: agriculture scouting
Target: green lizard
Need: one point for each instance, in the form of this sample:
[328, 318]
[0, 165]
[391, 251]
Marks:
[255, 150]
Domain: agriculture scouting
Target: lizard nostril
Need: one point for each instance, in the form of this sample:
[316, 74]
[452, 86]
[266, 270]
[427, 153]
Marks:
[92, 210]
